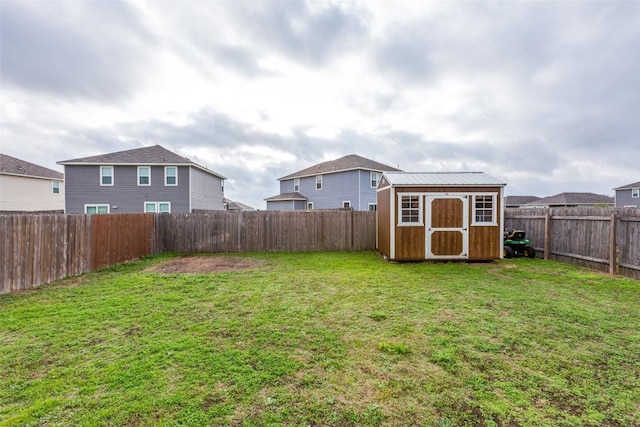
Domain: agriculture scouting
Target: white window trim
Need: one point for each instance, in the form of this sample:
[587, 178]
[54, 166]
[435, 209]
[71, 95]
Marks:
[296, 185]
[149, 176]
[637, 193]
[375, 207]
[222, 185]
[113, 179]
[156, 207]
[378, 176]
[494, 210]
[420, 222]
[165, 176]
[309, 206]
[96, 205]
[55, 187]
[318, 181]
[347, 203]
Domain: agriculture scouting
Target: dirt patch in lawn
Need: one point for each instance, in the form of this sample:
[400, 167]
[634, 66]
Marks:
[205, 265]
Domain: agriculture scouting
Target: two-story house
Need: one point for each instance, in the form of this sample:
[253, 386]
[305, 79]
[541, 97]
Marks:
[27, 187]
[149, 179]
[628, 196]
[349, 182]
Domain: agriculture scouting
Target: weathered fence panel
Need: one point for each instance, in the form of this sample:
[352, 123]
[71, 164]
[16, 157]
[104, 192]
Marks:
[120, 238]
[40, 249]
[604, 239]
[266, 231]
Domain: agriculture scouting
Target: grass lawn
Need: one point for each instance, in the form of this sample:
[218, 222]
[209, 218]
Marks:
[325, 339]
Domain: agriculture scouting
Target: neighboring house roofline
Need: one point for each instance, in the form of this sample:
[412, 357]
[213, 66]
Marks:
[629, 186]
[155, 155]
[285, 197]
[343, 164]
[17, 167]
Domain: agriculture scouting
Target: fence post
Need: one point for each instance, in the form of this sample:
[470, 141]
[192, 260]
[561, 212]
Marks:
[547, 244]
[613, 259]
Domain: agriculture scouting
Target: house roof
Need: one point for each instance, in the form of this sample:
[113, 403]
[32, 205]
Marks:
[519, 200]
[286, 196]
[629, 186]
[573, 199]
[441, 178]
[14, 166]
[346, 163]
[153, 155]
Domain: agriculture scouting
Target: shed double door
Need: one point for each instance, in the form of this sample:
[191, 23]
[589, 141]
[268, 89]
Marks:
[447, 221]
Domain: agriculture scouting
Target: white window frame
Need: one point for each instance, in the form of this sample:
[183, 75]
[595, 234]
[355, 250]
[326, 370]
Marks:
[346, 204]
[111, 168]
[296, 185]
[156, 207]
[373, 207]
[55, 187]
[375, 178]
[635, 193]
[147, 176]
[318, 182]
[97, 206]
[309, 206]
[420, 208]
[167, 176]
[222, 185]
[494, 209]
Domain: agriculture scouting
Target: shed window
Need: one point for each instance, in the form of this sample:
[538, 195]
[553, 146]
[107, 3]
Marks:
[484, 209]
[144, 175]
[410, 210]
[296, 185]
[635, 193]
[106, 175]
[319, 182]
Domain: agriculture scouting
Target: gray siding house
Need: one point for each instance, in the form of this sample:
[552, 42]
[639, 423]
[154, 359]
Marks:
[628, 196]
[349, 182]
[149, 179]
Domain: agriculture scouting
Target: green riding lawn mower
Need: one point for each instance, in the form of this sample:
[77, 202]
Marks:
[516, 244]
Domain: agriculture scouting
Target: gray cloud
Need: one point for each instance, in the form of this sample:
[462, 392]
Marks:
[86, 50]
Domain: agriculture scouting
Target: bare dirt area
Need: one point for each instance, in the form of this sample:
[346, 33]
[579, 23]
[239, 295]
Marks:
[205, 265]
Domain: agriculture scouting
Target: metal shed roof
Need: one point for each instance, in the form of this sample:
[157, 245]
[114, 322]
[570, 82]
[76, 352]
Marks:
[442, 178]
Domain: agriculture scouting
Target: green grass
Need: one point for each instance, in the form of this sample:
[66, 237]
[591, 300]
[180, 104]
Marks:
[325, 339]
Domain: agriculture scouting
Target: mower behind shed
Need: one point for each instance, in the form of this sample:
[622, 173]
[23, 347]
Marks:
[516, 244]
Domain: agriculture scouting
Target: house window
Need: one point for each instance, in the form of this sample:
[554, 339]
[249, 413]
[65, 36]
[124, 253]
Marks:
[375, 179]
[410, 209]
[144, 175]
[346, 204]
[106, 175]
[319, 182]
[484, 209]
[296, 185]
[373, 207]
[55, 187]
[309, 206]
[96, 209]
[161, 207]
[222, 185]
[170, 175]
[635, 193]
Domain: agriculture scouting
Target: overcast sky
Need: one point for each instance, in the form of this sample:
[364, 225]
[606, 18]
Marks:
[543, 95]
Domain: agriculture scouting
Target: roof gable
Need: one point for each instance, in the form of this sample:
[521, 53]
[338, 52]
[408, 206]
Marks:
[14, 166]
[346, 163]
[153, 155]
[629, 186]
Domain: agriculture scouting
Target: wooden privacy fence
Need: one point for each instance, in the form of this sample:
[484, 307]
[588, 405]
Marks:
[599, 238]
[266, 231]
[37, 249]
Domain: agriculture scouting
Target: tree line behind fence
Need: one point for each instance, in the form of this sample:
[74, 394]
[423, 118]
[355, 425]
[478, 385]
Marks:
[38, 249]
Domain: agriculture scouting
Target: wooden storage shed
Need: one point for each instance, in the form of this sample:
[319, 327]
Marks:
[436, 215]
